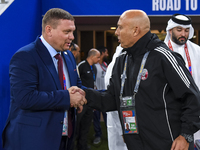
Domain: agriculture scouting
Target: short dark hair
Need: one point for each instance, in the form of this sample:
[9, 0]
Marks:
[101, 49]
[52, 16]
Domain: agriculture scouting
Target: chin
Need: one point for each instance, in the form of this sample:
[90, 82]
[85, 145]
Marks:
[122, 45]
[182, 42]
[66, 48]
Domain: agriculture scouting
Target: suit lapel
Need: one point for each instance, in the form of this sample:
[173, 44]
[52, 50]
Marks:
[69, 67]
[46, 58]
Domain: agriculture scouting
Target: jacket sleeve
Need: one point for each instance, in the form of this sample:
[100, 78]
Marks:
[185, 90]
[32, 89]
[102, 100]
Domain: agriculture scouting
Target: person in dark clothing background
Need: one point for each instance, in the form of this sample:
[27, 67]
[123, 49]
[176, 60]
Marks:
[151, 88]
[75, 49]
[87, 72]
[101, 67]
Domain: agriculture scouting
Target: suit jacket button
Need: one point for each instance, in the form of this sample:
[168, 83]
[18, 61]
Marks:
[61, 122]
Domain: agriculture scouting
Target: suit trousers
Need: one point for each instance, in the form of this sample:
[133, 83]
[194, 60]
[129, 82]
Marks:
[63, 143]
[97, 123]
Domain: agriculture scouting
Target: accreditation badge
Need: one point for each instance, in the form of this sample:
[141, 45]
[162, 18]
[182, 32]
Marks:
[128, 114]
[129, 122]
[127, 101]
[64, 131]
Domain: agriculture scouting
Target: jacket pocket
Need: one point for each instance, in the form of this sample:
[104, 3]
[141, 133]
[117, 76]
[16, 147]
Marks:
[32, 121]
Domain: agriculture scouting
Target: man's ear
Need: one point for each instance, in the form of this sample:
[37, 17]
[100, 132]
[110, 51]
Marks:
[136, 31]
[48, 30]
[170, 31]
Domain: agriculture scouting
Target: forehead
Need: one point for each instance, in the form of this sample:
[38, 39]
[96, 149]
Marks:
[124, 21]
[66, 24]
[98, 54]
[77, 48]
[120, 21]
[180, 27]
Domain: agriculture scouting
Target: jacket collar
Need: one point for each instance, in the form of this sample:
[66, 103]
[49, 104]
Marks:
[143, 45]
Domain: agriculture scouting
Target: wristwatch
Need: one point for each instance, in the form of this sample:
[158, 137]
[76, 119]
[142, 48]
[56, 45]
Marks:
[189, 138]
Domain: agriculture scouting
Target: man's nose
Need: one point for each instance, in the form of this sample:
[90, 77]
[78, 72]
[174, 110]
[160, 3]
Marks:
[71, 36]
[116, 32]
[183, 33]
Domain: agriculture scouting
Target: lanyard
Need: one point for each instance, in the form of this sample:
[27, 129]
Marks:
[102, 67]
[186, 53]
[139, 74]
[93, 73]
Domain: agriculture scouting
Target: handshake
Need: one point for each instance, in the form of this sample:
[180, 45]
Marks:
[77, 98]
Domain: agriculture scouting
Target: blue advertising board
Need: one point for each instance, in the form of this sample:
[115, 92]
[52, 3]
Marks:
[117, 7]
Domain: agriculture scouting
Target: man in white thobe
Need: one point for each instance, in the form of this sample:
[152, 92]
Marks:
[179, 31]
[114, 129]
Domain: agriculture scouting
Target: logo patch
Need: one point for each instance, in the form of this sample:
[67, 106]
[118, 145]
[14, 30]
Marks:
[144, 74]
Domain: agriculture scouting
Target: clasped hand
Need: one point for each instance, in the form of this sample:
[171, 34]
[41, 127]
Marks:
[77, 98]
[180, 144]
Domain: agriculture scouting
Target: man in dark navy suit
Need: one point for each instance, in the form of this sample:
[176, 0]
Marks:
[42, 108]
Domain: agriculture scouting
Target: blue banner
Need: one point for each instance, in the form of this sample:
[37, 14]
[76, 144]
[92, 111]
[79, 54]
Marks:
[117, 7]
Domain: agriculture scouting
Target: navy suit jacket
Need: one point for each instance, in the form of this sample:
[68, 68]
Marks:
[38, 102]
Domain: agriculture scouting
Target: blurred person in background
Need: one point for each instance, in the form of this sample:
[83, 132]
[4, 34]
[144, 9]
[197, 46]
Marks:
[114, 128]
[100, 84]
[87, 72]
[75, 49]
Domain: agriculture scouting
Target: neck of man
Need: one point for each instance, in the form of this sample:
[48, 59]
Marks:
[101, 61]
[89, 60]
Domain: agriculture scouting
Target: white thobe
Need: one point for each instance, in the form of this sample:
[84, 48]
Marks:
[114, 129]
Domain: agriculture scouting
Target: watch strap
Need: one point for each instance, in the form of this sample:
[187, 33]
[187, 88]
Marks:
[189, 138]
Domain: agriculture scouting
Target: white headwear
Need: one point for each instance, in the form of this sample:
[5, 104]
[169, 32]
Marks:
[172, 24]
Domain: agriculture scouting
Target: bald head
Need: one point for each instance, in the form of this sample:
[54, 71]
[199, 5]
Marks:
[132, 25]
[137, 18]
[93, 56]
[92, 52]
